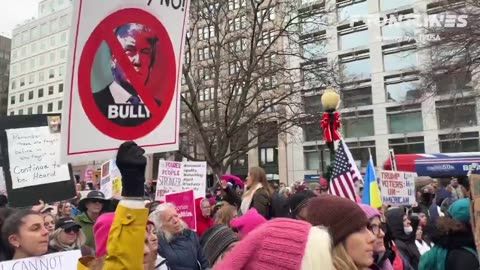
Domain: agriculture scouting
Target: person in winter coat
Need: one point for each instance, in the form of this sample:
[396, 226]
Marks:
[353, 242]
[126, 239]
[457, 190]
[377, 227]
[157, 262]
[66, 236]
[403, 235]
[203, 211]
[297, 203]
[91, 207]
[218, 241]
[281, 244]
[454, 242]
[258, 193]
[178, 244]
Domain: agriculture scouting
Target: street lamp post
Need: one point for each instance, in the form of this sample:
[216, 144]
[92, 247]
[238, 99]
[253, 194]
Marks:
[330, 122]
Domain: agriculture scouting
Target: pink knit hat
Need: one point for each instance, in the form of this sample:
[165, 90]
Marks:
[370, 211]
[248, 222]
[278, 244]
[101, 229]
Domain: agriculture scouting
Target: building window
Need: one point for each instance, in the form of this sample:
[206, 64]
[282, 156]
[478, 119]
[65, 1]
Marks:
[238, 45]
[14, 84]
[409, 145]
[401, 91]
[460, 142]
[313, 104]
[12, 100]
[268, 155]
[60, 70]
[52, 57]
[40, 109]
[43, 44]
[52, 41]
[398, 31]
[454, 83]
[313, 23]
[237, 23]
[51, 73]
[63, 53]
[63, 37]
[356, 69]
[405, 119]
[53, 26]
[40, 92]
[43, 29]
[33, 48]
[357, 97]
[32, 64]
[234, 68]
[50, 107]
[236, 4]
[451, 114]
[316, 158]
[30, 95]
[399, 60]
[22, 98]
[30, 110]
[31, 79]
[50, 90]
[20, 112]
[267, 38]
[12, 113]
[23, 67]
[22, 82]
[41, 76]
[315, 49]
[393, 4]
[358, 124]
[350, 40]
[63, 21]
[266, 14]
[34, 33]
[312, 132]
[60, 104]
[42, 60]
[352, 11]
[60, 88]
[361, 152]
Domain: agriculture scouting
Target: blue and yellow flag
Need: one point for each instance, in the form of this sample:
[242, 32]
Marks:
[371, 192]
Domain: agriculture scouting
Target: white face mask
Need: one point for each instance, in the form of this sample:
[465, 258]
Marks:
[408, 230]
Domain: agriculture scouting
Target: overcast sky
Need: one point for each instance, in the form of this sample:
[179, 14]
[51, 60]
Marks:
[13, 12]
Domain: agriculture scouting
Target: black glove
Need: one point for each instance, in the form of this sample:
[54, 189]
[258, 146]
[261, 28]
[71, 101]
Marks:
[131, 162]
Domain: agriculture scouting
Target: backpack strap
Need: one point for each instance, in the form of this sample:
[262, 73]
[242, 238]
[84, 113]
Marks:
[471, 250]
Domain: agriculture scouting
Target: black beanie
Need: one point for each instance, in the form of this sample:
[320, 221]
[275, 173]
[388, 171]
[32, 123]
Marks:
[132, 163]
[299, 200]
[216, 240]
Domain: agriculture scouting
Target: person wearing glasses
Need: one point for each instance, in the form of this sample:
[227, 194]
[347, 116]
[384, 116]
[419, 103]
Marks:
[378, 228]
[91, 207]
[67, 236]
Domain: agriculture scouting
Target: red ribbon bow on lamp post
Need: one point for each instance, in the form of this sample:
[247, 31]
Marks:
[331, 135]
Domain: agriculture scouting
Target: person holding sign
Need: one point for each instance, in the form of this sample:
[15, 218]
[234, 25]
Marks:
[25, 233]
[127, 243]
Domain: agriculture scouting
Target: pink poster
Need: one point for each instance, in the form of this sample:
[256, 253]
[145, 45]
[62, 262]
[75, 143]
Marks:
[185, 203]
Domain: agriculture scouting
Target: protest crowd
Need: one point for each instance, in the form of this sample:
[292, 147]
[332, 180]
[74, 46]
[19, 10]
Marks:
[245, 225]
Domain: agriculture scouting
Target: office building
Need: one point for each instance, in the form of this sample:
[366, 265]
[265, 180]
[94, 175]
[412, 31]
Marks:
[5, 45]
[38, 60]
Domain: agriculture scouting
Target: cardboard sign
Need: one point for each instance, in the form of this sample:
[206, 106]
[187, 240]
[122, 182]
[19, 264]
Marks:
[475, 207]
[30, 147]
[185, 204]
[397, 188]
[111, 181]
[3, 185]
[55, 261]
[176, 176]
[123, 85]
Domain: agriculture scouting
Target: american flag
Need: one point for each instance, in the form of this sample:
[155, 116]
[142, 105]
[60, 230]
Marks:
[345, 174]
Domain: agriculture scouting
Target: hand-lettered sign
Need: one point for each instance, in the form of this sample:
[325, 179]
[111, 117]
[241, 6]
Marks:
[125, 64]
[397, 188]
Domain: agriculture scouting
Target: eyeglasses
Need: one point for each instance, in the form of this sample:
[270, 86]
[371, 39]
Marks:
[375, 228]
[96, 201]
[73, 229]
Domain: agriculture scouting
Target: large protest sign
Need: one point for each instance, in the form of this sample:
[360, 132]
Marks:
[3, 185]
[123, 77]
[176, 176]
[475, 207]
[31, 154]
[55, 261]
[185, 203]
[111, 180]
[397, 188]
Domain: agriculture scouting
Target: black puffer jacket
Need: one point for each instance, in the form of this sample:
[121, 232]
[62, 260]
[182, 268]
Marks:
[405, 243]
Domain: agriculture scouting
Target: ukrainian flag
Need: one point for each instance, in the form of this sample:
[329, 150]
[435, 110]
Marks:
[371, 192]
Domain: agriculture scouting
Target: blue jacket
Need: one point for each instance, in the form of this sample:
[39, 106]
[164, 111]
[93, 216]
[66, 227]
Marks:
[183, 252]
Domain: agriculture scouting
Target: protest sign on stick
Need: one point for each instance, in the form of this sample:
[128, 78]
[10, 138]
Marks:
[397, 188]
[176, 176]
[30, 147]
[475, 207]
[111, 180]
[55, 261]
[185, 203]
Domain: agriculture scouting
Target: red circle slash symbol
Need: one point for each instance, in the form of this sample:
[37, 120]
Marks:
[143, 66]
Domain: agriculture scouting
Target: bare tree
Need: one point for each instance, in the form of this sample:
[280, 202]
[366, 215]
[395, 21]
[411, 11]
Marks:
[242, 73]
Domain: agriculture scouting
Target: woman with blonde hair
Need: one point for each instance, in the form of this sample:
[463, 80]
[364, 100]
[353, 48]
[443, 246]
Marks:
[258, 193]
[226, 214]
[66, 236]
[353, 242]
